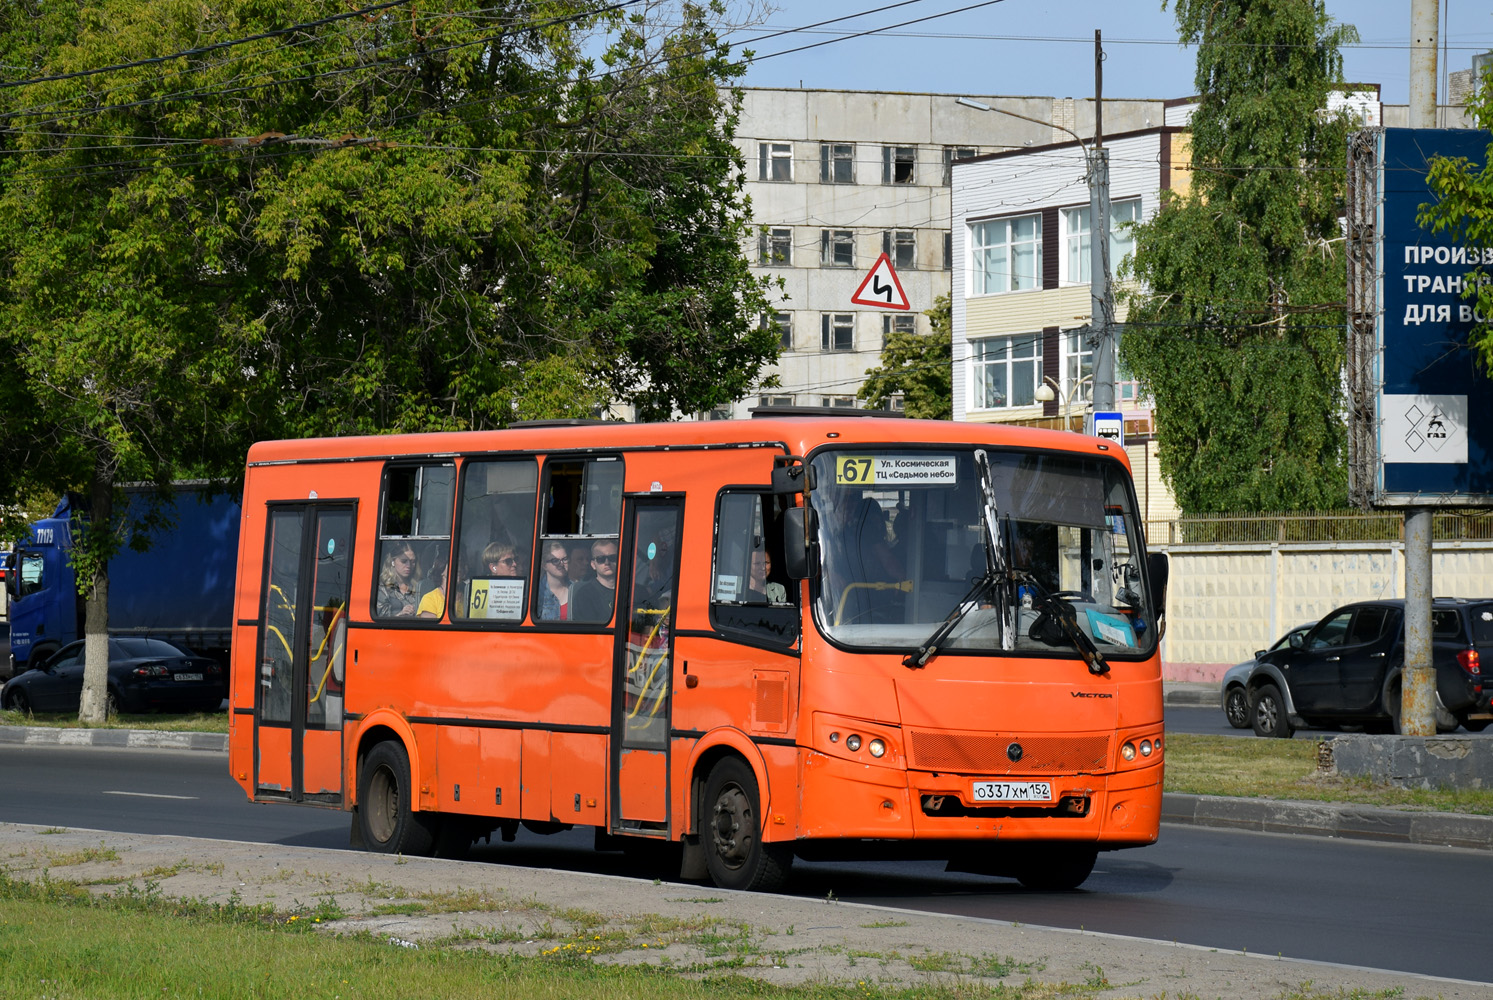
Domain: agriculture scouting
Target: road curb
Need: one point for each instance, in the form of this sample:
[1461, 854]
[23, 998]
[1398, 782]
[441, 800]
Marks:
[1326, 819]
[130, 739]
[1193, 697]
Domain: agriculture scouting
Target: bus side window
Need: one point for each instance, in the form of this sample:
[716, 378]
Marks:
[414, 541]
[749, 592]
[581, 511]
[497, 539]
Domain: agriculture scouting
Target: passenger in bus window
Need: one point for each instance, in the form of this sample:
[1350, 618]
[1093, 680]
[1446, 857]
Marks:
[579, 566]
[554, 595]
[501, 559]
[398, 581]
[433, 604]
[592, 601]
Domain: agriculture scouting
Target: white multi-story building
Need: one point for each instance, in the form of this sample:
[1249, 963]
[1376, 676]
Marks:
[837, 178]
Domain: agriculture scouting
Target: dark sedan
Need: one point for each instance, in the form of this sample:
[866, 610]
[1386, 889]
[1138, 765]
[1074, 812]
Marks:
[145, 675]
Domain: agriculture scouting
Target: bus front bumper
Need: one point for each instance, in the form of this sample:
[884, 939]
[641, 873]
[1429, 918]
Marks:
[841, 799]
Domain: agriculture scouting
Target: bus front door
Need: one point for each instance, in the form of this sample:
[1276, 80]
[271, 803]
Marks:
[643, 664]
[302, 650]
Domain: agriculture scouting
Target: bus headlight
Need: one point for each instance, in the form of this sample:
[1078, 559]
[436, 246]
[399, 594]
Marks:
[1128, 751]
[853, 742]
[1145, 748]
[877, 748]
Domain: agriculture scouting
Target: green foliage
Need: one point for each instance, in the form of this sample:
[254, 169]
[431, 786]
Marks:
[1464, 208]
[919, 367]
[1237, 331]
[397, 221]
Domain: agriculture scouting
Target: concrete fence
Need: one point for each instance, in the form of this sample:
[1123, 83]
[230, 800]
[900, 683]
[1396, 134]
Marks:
[1226, 600]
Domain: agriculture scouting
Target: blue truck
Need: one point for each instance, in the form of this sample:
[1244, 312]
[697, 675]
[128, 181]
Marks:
[180, 589]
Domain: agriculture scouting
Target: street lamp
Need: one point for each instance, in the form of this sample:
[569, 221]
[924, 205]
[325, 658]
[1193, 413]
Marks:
[1050, 389]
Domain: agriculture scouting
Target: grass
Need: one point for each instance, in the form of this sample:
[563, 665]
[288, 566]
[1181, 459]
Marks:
[1287, 769]
[59, 940]
[186, 722]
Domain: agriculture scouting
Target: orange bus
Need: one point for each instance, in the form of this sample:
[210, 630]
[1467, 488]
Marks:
[734, 642]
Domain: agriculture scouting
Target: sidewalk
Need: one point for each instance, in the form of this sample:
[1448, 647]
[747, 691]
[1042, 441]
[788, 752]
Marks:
[781, 940]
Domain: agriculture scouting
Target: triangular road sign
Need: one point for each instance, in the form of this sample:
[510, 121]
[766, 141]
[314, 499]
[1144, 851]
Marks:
[881, 287]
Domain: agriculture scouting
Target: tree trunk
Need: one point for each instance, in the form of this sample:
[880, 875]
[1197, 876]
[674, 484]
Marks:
[93, 705]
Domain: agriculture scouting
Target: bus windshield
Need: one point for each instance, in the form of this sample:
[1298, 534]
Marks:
[908, 537]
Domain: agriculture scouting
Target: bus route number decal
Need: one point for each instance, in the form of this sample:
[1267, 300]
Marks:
[903, 470]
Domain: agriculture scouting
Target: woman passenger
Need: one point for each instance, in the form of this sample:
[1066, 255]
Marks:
[398, 582]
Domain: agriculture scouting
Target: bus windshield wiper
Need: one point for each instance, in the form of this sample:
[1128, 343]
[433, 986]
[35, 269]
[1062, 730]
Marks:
[995, 582]
[931, 646]
[1059, 612]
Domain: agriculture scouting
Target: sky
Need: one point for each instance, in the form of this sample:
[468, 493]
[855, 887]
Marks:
[1045, 48]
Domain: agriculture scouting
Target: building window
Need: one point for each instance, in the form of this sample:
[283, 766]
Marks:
[898, 164]
[775, 401]
[775, 161]
[1078, 368]
[837, 332]
[899, 323]
[783, 321]
[837, 163]
[901, 245]
[836, 248]
[1076, 256]
[950, 154]
[948, 251]
[720, 413]
[1005, 371]
[775, 248]
[1005, 255]
[838, 402]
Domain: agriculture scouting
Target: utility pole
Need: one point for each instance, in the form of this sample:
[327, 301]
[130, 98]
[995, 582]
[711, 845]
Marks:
[1101, 298]
[1418, 683]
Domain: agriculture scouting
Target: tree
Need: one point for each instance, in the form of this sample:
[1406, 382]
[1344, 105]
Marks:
[919, 367]
[1237, 330]
[327, 221]
[1464, 208]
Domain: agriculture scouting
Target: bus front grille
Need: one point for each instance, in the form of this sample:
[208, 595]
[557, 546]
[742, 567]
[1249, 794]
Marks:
[986, 753]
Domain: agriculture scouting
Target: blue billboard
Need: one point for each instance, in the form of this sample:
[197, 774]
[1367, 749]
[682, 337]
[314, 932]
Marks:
[1434, 407]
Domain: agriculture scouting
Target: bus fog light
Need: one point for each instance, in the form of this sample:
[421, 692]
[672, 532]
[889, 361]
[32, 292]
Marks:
[1128, 751]
[852, 742]
[834, 737]
[1145, 748]
[876, 747]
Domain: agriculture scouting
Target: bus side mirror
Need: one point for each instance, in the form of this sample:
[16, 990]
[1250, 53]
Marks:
[798, 533]
[1159, 570]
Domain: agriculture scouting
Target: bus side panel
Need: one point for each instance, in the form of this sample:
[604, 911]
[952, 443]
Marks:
[424, 760]
[273, 765]
[535, 803]
[502, 750]
[459, 753]
[781, 802]
[578, 778]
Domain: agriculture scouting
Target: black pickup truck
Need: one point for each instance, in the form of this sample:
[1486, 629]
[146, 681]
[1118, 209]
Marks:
[1346, 670]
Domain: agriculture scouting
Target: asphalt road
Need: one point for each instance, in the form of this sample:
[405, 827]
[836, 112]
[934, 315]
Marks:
[1401, 908]
[1190, 719]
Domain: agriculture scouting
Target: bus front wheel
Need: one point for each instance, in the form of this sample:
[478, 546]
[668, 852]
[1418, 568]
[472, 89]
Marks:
[386, 818]
[731, 832]
[1057, 869]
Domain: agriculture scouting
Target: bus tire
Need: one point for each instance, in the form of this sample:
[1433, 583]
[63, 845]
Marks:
[731, 832]
[389, 823]
[1057, 869]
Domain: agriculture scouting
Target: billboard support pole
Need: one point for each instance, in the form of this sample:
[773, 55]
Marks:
[1418, 683]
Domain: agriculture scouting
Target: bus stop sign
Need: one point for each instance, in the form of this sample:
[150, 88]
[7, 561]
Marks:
[1110, 425]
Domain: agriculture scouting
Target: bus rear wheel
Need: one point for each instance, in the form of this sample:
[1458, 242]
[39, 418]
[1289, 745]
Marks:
[731, 832]
[386, 818]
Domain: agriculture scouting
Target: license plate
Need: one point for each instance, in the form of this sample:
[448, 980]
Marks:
[187, 677]
[1011, 791]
